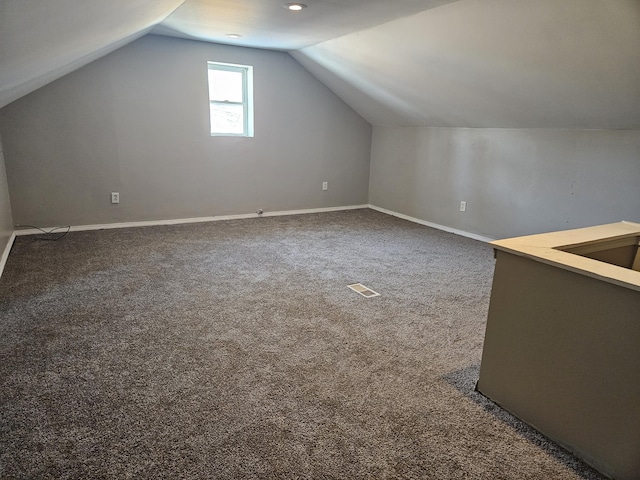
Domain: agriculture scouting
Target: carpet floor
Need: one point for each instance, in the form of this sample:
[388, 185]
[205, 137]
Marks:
[235, 350]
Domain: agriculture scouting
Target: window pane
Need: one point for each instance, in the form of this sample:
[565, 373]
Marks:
[225, 86]
[230, 99]
[227, 119]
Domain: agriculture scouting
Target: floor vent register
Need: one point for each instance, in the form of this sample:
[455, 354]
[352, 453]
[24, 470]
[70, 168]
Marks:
[362, 290]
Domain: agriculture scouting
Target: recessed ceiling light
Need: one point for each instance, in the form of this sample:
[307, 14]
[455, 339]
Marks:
[296, 7]
[234, 35]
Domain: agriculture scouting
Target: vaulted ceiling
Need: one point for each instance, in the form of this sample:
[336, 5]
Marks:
[268, 24]
[493, 63]
[41, 40]
[466, 63]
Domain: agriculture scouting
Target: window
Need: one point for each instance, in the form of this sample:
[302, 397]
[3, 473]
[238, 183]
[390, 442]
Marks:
[231, 99]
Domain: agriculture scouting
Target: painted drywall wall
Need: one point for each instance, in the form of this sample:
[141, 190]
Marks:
[6, 219]
[561, 353]
[136, 122]
[515, 181]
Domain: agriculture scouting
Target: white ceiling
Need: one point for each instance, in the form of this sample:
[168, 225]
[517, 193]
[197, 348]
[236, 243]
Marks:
[467, 63]
[492, 63]
[267, 24]
[41, 40]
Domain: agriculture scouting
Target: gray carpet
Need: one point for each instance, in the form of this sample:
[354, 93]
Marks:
[235, 350]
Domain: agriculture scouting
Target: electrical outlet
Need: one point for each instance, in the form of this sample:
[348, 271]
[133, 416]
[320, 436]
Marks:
[325, 185]
[463, 206]
[115, 197]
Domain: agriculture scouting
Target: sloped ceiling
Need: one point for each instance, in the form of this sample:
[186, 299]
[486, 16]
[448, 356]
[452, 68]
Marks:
[41, 40]
[267, 24]
[465, 63]
[492, 63]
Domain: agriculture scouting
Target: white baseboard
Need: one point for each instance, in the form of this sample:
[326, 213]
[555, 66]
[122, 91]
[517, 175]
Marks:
[5, 253]
[178, 221]
[105, 226]
[310, 210]
[433, 225]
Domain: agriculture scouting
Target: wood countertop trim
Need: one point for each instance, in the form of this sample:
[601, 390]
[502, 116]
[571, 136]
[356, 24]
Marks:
[549, 248]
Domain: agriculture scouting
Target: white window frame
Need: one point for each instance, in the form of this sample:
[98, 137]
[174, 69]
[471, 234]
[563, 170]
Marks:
[247, 98]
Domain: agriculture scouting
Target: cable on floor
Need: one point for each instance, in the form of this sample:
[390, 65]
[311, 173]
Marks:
[52, 234]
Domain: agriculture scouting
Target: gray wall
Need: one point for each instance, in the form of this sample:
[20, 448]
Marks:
[515, 181]
[136, 122]
[6, 219]
[561, 353]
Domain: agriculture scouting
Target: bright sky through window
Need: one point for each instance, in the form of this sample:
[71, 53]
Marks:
[230, 99]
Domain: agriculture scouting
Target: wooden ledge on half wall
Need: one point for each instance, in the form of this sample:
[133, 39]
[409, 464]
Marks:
[607, 252]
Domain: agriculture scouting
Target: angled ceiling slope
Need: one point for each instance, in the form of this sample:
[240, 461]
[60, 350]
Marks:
[464, 63]
[267, 24]
[42, 40]
[492, 63]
